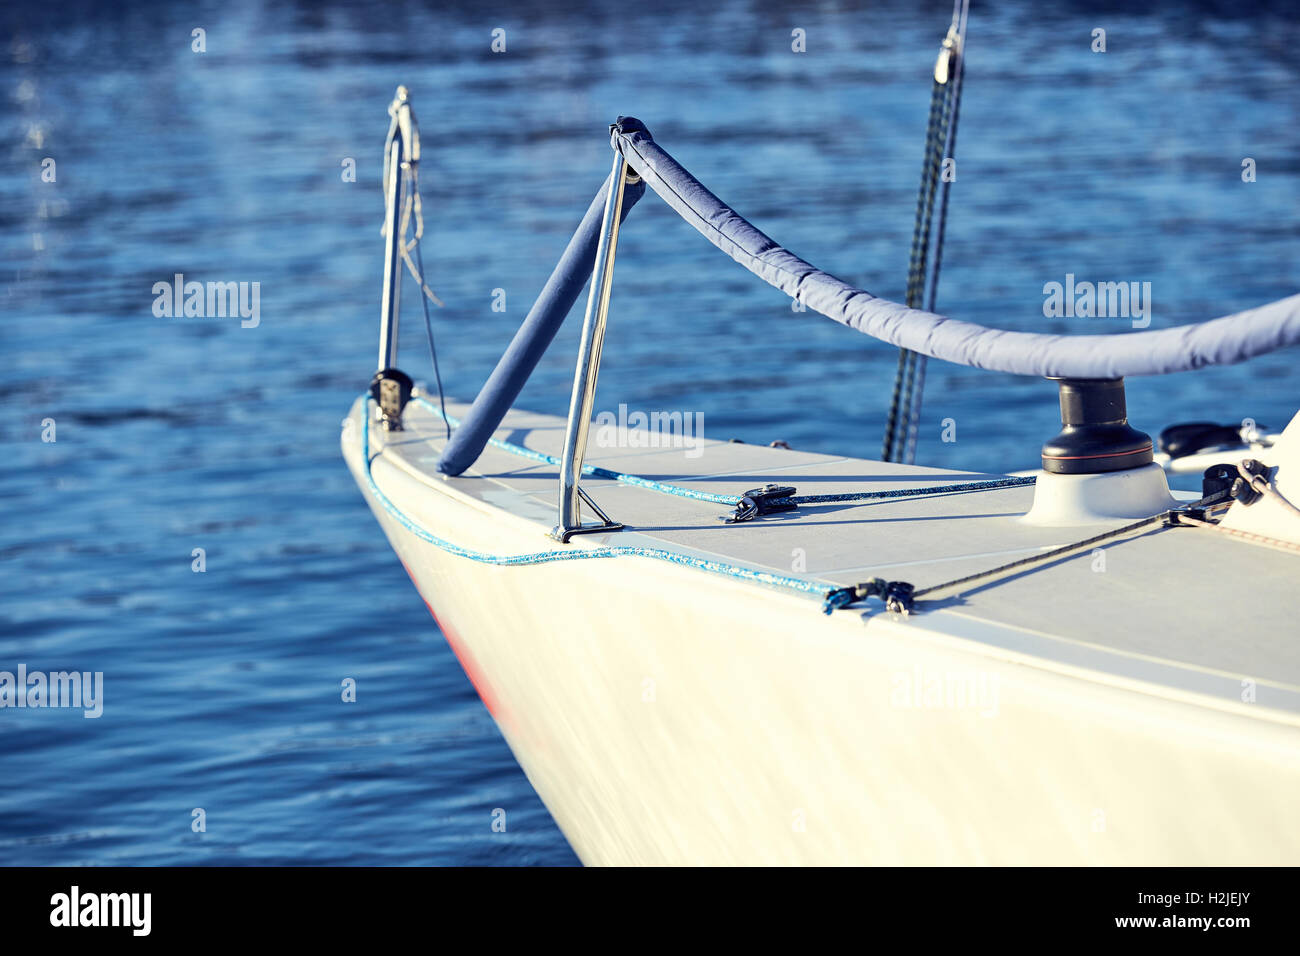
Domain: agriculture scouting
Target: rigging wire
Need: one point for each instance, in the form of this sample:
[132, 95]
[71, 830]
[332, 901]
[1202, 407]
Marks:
[919, 361]
[902, 425]
[424, 303]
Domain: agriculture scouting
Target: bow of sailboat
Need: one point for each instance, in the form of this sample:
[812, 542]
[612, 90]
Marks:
[711, 652]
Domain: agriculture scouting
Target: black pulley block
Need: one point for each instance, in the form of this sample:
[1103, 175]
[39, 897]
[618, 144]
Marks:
[391, 390]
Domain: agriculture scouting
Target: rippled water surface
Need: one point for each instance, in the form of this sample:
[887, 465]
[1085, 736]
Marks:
[222, 689]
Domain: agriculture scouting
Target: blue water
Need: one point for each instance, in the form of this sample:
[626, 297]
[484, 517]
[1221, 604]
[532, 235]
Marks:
[222, 688]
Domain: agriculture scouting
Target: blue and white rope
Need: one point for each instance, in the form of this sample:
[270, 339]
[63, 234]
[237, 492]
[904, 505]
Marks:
[832, 597]
[576, 554]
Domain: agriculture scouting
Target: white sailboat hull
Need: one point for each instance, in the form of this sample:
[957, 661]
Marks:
[670, 716]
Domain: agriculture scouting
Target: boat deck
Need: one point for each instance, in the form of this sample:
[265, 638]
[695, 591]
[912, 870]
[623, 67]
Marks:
[1184, 607]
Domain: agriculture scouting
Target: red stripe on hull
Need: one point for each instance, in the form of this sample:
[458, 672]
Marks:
[466, 659]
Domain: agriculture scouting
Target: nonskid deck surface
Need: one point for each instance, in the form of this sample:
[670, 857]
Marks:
[1216, 610]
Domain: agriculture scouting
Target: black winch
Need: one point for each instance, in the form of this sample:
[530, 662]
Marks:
[1096, 436]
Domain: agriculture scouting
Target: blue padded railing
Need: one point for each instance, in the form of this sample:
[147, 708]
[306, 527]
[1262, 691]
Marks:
[1221, 341]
